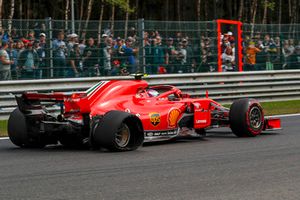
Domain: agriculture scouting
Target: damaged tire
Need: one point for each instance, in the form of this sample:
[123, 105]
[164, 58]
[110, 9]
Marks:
[117, 131]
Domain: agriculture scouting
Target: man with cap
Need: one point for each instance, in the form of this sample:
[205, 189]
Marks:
[130, 53]
[170, 55]
[5, 62]
[73, 38]
[41, 50]
[28, 62]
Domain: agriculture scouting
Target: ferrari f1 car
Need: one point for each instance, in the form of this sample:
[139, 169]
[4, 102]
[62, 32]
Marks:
[119, 115]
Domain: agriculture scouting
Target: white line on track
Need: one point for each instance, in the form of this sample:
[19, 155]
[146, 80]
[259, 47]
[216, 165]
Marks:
[289, 115]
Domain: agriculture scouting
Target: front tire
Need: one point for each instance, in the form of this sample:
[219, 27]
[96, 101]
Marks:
[117, 131]
[246, 118]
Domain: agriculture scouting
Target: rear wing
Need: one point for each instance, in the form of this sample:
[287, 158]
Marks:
[75, 102]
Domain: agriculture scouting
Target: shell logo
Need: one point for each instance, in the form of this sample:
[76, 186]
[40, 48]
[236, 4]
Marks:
[173, 117]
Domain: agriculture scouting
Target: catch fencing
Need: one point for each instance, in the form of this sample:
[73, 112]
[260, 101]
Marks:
[202, 39]
[222, 87]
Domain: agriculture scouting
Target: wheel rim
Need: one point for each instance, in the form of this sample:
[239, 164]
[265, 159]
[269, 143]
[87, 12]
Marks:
[255, 116]
[123, 136]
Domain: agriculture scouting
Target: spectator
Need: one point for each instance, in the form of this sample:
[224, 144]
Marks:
[90, 59]
[41, 50]
[31, 36]
[170, 56]
[5, 62]
[293, 57]
[251, 52]
[148, 55]
[13, 54]
[14, 34]
[270, 50]
[107, 52]
[28, 62]
[158, 57]
[118, 53]
[287, 51]
[59, 55]
[102, 44]
[277, 57]
[3, 35]
[73, 38]
[130, 56]
[228, 60]
[190, 60]
[297, 54]
[181, 58]
[73, 63]
[82, 46]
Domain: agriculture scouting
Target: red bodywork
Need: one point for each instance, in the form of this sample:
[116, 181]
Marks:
[165, 115]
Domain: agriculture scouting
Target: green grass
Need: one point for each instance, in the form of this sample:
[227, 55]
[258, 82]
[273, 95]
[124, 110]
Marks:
[282, 107]
[270, 108]
[3, 125]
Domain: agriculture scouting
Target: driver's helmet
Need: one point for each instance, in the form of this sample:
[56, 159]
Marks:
[152, 93]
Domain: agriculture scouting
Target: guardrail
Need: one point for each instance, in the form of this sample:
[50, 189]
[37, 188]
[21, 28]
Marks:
[222, 87]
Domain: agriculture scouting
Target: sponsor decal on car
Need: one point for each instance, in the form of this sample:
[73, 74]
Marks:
[161, 133]
[173, 117]
[154, 118]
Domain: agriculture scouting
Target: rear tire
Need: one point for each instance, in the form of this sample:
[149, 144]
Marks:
[18, 131]
[246, 118]
[117, 131]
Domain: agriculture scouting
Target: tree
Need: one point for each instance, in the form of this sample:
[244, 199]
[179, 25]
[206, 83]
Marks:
[126, 18]
[80, 16]
[241, 7]
[198, 10]
[67, 14]
[12, 11]
[90, 4]
[253, 15]
[113, 9]
[100, 23]
[1, 4]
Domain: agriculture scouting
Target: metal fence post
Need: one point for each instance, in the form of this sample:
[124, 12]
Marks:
[49, 44]
[141, 29]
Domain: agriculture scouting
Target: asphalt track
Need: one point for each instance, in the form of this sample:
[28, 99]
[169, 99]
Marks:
[220, 167]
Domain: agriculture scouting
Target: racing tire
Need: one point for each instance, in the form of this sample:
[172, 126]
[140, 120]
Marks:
[246, 118]
[18, 131]
[117, 131]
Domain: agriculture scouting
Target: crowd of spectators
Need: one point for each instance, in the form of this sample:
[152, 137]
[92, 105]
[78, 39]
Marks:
[30, 57]
[261, 53]
[271, 53]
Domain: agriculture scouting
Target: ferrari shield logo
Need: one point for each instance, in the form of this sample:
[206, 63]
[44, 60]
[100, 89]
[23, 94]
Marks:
[154, 118]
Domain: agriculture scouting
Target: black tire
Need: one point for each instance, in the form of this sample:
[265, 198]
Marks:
[246, 118]
[117, 131]
[18, 131]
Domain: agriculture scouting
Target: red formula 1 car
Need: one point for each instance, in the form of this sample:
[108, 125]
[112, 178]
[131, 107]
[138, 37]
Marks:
[120, 115]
